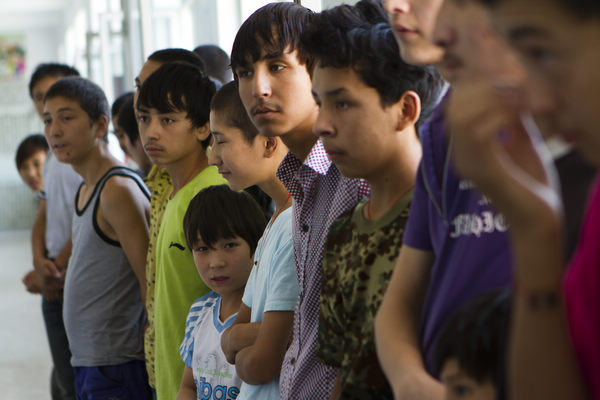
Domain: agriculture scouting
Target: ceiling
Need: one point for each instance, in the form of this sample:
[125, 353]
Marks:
[27, 14]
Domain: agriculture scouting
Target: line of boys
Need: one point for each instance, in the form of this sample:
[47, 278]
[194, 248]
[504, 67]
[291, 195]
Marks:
[264, 89]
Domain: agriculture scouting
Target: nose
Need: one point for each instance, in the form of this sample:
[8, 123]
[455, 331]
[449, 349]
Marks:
[261, 83]
[444, 35]
[397, 6]
[52, 129]
[323, 126]
[216, 260]
[150, 129]
[214, 157]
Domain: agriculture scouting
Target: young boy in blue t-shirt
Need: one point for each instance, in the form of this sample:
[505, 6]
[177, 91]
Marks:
[222, 229]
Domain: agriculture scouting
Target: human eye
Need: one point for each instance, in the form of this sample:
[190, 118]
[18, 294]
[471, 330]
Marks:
[243, 73]
[200, 249]
[142, 118]
[341, 105]
[275, 67]
[167, 120]
[47, 121]
[461, 390]
[231, 244]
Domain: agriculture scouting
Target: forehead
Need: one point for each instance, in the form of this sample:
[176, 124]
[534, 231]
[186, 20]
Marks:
[521, 19]
[147, 69]
[44, 84]
[60, 103]
[329, 80]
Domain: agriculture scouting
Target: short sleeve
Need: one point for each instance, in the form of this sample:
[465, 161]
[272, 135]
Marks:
[282, 288]
[416, 234]
[248, 296]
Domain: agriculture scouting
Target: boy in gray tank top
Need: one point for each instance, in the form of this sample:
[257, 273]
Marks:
[104, 288]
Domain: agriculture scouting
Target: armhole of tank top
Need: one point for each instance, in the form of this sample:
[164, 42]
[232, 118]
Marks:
[133, 175]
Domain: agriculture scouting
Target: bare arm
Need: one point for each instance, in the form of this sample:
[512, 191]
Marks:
[187, 389]
[516, 173]
[260, 362]
[242, 333]
[397, 327]
[122, 217]
[44, 266]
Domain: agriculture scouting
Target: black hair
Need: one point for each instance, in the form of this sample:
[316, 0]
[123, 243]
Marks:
[218, 212]
[477, 335]
[127, 121]
[177, 55]
[179, 87]
[360, 38]
[228, 104]
[86, 93]
[582, 8]
[118, 103]
[29, 146]
[271, 30]
[216, 61]
[50, 69]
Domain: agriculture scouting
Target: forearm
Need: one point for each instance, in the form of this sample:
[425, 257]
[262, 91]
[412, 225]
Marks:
[542, 362]
[254, 368]
[38, 237]
[186, 393]
[238, 337]
[400, 356]
[62, 259]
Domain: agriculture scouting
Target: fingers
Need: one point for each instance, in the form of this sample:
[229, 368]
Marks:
[49, 268]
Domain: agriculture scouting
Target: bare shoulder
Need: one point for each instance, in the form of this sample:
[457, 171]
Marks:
[122, 192]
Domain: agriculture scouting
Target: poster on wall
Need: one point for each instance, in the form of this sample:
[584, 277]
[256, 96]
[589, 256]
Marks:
[12, 57]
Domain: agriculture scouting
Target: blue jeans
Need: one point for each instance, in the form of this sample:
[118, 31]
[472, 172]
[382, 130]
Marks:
[63, 379]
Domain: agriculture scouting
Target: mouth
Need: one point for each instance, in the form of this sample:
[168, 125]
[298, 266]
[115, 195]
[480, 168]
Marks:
[219, 280]
[152, 149]
[334, 154]
[59, 147]
[224, 173]
[404, 31]
[450, 62]
[264, 111]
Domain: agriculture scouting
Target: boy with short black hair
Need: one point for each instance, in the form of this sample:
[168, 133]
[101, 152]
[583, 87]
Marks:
[257, 341]
[160, 186]
[275, 86]
[370, 103]
[222, 229]
[51, 237]
[104, 289]
[127, 132]
[471, 352]
[174, 128]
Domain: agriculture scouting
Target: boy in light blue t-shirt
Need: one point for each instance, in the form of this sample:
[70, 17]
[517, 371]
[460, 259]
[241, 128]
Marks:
[257, 341]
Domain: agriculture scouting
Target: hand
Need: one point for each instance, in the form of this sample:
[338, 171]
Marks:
[33, 282]
[47, 268]
[497, 146]
[52, 288]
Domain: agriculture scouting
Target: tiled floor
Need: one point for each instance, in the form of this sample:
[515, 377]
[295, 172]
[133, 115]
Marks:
[24, 356]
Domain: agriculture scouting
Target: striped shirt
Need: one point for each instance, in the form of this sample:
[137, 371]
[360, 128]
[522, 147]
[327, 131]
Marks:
[321, 194]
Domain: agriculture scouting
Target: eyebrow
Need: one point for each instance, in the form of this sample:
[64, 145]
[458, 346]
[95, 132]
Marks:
[526, 32]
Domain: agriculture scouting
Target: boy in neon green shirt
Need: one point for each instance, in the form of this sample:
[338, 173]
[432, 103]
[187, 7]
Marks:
[174, 129]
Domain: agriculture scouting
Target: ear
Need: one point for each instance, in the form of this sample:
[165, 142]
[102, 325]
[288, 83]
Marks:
[203, 132]
[409, 109]
[271, 145]
[101, 126]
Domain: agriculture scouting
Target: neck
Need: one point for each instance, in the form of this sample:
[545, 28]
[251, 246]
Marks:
[230, 304]
[95, 165]
[276, 191]
[184, 170]
[300, 140]
[395, 178]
